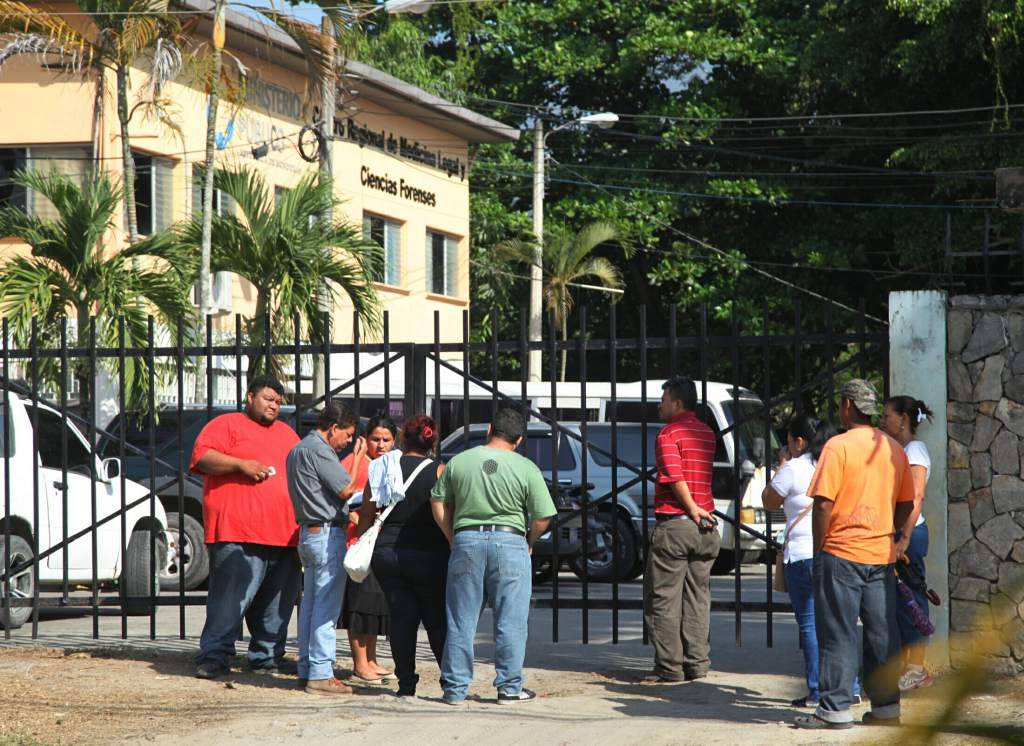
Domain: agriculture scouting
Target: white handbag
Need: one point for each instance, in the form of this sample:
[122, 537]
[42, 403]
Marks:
[358, 558]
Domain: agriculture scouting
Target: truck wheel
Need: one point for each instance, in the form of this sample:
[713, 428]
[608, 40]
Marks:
[186, 556]
[601, 567]
[140, 568]
[22, 583]
[725, 563]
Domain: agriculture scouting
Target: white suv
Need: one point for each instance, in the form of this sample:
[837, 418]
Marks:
[57, 497]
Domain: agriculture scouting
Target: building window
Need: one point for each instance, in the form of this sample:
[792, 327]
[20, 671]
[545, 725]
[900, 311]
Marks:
[73, 162]
[388, 235]
[223, 205]
[11, 194]
[154, 184]
[442, 263]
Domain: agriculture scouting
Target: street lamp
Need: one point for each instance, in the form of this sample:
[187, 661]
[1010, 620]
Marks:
[604, 120]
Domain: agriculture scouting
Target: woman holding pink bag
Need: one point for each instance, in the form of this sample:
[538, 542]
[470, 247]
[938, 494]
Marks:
[364, 612]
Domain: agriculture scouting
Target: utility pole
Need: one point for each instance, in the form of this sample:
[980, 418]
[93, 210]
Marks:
[205, 288]
[535, 358]
[328, 104]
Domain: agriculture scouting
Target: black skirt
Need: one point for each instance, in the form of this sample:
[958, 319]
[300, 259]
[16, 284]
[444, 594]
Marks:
[365, 608]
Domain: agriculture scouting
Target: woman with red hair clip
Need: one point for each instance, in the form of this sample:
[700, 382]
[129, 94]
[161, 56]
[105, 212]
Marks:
[410, 558]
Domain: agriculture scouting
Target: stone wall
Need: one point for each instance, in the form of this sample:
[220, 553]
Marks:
[985, 482]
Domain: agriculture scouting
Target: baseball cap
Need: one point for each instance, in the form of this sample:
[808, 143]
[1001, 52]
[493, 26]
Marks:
[862, 394]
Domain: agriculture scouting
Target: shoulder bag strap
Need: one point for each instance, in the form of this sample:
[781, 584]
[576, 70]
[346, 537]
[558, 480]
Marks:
[381, 517]
[416, 472]
[800, 516]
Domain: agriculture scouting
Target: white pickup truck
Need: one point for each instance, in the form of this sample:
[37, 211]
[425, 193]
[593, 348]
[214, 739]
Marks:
[57, 496]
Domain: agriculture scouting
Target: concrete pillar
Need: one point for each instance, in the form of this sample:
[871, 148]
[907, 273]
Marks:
[917, 367]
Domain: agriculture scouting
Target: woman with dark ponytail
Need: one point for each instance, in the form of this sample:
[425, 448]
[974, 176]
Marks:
[900, 419]
[410, 557]
[788, 490]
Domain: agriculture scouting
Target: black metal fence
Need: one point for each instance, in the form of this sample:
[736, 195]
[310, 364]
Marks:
[136, 542]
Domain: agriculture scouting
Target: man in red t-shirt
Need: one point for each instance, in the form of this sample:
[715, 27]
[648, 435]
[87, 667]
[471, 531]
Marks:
[250, 532]
[685, 542]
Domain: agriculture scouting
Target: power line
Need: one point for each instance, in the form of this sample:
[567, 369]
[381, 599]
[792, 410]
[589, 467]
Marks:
[704, 244]
[756, 200]
[816, 117]
[976, 175]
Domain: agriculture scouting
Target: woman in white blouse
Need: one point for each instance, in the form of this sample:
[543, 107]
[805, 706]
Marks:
[788, 489]
[900, 419]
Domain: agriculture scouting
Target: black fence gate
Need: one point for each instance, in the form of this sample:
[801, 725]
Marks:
[101, 515]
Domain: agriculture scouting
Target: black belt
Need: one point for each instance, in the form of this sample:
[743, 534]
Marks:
[662, 517]
[336, 524]
[492, 527]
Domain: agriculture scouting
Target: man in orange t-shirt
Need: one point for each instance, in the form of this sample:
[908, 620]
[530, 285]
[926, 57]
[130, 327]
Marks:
[863, 490]
[250, 533]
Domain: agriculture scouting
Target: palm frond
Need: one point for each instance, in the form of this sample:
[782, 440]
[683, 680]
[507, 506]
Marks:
[600, 270]
[33, 288]
[317, 48]
[286, 250]
[165, 66]
[249, 190]
[589, 238]
[516, 250]
[85, 212]
[23, 23]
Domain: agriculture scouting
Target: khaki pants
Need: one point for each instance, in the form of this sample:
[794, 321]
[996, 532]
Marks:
[677, 598]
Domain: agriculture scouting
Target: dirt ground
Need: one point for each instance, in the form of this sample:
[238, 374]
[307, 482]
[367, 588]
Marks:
[115, 695]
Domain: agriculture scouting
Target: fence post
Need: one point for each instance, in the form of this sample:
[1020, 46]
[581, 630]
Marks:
[917, 367]
[415, 379]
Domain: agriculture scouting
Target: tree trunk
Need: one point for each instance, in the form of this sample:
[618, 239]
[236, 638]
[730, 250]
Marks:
[328, 106]
[126, 156]
[97, 119]
[82, 371]
[205, 279]
[257, 334]
[565, 338]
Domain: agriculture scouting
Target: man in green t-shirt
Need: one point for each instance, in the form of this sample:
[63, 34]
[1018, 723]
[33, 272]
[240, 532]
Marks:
[483, 502]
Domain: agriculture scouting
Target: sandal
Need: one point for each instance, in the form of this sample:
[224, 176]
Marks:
[364, 681]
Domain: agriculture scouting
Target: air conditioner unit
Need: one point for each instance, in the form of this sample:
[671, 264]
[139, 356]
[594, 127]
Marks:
[221, 295]
[223, 292]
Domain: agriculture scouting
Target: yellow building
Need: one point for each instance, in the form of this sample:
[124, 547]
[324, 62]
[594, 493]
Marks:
[400, 160]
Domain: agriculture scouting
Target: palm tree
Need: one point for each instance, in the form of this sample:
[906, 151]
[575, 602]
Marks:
[286, 250]
[125, 30]
[317, 48]
[567, 260]
[68, 271]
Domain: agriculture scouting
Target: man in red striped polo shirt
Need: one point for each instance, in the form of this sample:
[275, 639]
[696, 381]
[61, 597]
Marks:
[677, 582]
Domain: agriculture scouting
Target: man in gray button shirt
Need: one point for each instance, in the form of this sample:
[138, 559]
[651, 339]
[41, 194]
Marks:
[319, 488]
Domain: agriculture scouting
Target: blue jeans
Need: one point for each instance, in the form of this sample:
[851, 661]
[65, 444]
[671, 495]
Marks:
[254, 582]
[800, 583]
[917, 549]
[494, 565]
[323, 581]
[844, 590]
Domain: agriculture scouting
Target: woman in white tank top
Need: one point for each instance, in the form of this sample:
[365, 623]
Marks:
[900, 419]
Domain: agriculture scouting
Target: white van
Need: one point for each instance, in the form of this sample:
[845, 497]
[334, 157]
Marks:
[56, 496]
